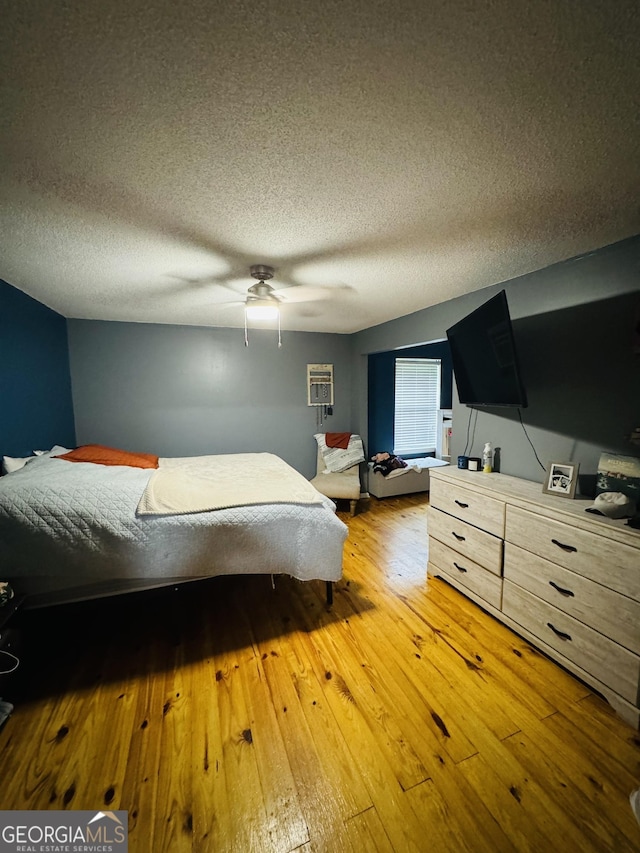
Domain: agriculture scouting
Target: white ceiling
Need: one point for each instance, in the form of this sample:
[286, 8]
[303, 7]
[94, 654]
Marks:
[391, 154]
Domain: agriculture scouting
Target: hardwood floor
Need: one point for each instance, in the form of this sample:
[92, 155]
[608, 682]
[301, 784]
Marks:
[226, 716]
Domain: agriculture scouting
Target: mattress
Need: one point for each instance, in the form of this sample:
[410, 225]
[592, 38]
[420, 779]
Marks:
[66, 525]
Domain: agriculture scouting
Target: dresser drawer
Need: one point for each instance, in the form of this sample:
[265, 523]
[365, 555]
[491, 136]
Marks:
[481, 547]
[611, 664]
[608, 612]
[479, 510]
[466, 572]
[612, 564]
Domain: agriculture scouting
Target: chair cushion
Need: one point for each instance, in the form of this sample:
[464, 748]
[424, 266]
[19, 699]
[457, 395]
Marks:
[346, 484]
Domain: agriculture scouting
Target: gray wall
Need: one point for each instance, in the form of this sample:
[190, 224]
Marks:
[185, 391]
[178, 390]
[573, 324]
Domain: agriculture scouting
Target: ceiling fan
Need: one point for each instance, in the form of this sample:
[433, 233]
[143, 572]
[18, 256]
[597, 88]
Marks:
[261, 302]
[292, 292]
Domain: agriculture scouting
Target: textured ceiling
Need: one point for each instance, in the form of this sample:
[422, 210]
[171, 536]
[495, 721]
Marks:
[386, 155]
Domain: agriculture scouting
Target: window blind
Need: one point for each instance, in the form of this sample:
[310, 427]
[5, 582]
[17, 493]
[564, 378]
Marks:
[417, 400]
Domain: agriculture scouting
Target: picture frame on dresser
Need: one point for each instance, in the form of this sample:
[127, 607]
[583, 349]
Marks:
[561, 479]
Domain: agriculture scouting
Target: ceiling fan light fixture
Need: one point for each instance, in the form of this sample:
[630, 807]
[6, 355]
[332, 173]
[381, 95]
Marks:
[261, 304]
[262, 309]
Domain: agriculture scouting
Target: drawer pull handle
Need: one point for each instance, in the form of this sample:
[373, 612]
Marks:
[459, 568]
[458, 536]
[569, 548]
[560, 634]
[464, 506]
[562, 591]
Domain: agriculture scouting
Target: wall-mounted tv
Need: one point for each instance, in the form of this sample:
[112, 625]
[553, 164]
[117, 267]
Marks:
[483, 354]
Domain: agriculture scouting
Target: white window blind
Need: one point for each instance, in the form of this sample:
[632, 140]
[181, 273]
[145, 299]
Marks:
[417, 400]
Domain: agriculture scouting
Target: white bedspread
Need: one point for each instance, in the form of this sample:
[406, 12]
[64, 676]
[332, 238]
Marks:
[203, 483]
[66, 524]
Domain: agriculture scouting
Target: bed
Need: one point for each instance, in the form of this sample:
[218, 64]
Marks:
[76, 530]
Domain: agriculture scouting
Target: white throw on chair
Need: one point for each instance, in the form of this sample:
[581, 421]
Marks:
[344, 485]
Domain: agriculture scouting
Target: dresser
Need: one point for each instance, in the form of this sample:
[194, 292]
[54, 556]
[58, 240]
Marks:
[564, 579]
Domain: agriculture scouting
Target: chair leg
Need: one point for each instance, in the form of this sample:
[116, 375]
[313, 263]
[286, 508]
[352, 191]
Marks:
[353, 505]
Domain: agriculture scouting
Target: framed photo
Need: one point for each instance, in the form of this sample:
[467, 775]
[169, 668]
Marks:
[619, 474]
[561, 479]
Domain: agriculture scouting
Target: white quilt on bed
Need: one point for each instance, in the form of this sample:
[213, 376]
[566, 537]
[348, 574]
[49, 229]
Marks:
[220, 482]
[72, 523]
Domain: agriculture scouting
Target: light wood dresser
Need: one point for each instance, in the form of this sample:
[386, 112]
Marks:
[564, 579]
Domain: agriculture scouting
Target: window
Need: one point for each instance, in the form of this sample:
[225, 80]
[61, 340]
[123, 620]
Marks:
[417, 400]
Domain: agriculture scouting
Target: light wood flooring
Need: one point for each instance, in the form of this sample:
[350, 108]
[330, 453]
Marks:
[226, 716]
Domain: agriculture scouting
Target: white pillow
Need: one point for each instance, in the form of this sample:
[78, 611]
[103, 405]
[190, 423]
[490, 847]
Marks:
[56, 450]
[13, 463]
[337, 460]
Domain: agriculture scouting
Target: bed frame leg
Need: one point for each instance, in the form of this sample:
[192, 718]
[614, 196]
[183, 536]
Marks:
[329, 593]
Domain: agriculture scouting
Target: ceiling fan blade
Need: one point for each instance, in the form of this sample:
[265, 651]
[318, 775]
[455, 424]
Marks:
[304, 293]
[235, 304]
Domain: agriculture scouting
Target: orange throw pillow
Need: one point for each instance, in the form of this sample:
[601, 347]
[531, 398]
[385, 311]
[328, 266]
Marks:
[101, 455]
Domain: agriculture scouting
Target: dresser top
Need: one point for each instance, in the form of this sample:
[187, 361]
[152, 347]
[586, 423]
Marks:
[529, 495]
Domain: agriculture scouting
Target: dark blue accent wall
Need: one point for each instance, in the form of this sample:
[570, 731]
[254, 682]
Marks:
[36, 409]
[381, 389]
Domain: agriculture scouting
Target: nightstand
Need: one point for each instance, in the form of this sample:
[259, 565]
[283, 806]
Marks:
[10, 641]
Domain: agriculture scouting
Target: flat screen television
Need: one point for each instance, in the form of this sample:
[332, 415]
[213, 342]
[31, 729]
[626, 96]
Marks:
[484, 359]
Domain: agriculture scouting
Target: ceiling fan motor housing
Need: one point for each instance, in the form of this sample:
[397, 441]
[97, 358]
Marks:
[261, 271]
[262, 290]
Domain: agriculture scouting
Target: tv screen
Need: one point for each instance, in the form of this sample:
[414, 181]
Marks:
[484, 357]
